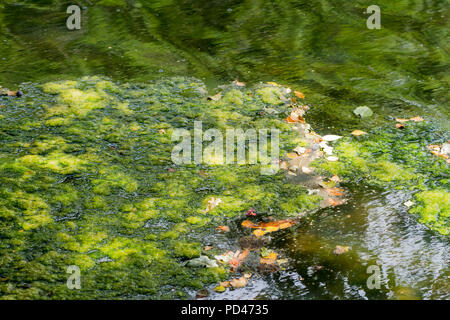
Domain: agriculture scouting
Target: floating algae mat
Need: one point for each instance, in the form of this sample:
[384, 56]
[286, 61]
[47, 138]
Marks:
[400, 158]
[87, 180]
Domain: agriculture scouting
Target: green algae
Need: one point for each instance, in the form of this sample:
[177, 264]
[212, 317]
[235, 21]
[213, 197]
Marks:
[389, 157]
[85, 181]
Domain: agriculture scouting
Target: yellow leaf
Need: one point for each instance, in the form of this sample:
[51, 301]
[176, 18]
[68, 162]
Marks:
[258, 232]
[223, 228]
[357, 133]
[219, 289]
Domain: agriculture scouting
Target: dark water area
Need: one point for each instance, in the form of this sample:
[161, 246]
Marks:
[322, 48]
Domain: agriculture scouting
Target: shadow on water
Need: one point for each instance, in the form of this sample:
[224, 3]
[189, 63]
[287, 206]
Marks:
[412, 261]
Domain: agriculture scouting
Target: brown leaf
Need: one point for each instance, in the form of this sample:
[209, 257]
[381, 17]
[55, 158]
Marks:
[400, 126]
[239, 282]
[239, 84]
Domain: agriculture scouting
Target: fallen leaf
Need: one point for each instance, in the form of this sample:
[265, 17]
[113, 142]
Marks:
[417, 119]
[219, 289]
[223, 228]
[202, 261]
[215, 97]
[203, 293]
[363, 112]
[247, 275]
[401, 120]
[271, 258]
[282, 261]
[212, 203]
[400, 126]
[335, 202]
[296, 116]
[331, 137]
[239, 282]
[300, 150]
[340, 250]
[225, 284]
[247, 224]
[273, 83]
[307, 170]
[336, 179]
[357, 133]
[161, 131]
[298, 94]
[236, 261]
[292, 155]
[258, 232]
[239, 84]
[284, 165]
[226, 257]
[409, 203]
[206, 248]
[335, 191]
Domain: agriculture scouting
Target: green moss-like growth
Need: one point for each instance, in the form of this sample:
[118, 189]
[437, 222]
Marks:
[85, 181]
[434, 210]
[399, 159]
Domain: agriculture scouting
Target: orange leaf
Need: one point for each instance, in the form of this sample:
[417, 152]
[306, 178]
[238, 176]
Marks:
[335, 191]
[239, 282]
[247, 224]
[400, 126]
[223, 228]
[417, 119]
[335, 202]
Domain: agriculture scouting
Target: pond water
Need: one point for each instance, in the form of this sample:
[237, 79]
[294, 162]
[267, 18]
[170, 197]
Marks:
[322, 48]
